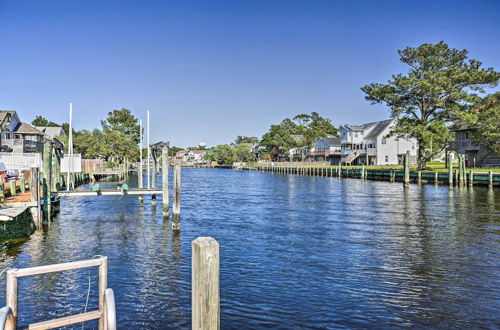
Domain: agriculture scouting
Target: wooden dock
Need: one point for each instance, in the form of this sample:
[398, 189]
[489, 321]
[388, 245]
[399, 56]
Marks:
[109, 192]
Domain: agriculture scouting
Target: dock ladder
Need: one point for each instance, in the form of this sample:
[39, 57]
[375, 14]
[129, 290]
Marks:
[106, 314]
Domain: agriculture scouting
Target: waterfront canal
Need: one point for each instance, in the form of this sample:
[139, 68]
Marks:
[296, 252]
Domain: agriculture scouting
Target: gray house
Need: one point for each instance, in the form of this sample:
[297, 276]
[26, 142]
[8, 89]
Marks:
[326, 149]
[475, 154]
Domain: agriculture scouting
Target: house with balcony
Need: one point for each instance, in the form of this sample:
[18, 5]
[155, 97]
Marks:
[327, 149]
[19, 137]
[370, 144]
[475, 154]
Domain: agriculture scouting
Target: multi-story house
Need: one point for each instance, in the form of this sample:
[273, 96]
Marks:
[475, 154]
[16, 136]
[371, 144]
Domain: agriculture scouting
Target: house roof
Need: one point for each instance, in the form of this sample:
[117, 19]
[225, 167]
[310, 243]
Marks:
[198, 151]
[4, 113]
[378, 128]
[51, 131]
[330, 140]
[24, 128]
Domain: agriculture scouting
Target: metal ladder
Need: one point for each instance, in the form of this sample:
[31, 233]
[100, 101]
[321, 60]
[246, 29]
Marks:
[106, 314]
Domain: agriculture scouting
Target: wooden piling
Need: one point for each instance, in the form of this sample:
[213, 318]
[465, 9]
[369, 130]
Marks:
[205, 284]
[11, 294]
[35, 194]
[22, 185]
[450, 171]
[176, 223]
[490, 177]
[471, 178]
[436, 178]
[339, 170]
[164, 179]
[461, 174]
[419, 177]
[47, 174]
[406, 170]
[12, 185]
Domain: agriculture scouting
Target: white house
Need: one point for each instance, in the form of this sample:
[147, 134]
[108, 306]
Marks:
[371, 144]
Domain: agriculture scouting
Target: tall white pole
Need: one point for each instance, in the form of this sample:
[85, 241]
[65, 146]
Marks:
[70, 147]
[149, 156]
[139, 173]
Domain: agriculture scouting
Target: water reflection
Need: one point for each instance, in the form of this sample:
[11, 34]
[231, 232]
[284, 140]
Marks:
[296, 251]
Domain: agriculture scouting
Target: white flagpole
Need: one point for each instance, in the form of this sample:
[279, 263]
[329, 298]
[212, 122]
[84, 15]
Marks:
[139, 173]
[149, 156]
[70, 147]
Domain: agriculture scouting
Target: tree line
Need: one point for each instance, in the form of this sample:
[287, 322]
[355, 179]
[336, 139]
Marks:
[115, 140]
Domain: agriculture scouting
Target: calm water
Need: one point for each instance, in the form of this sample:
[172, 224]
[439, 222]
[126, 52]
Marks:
[296, 252]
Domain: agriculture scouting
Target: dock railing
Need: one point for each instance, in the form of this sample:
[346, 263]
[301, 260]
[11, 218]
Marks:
[106, 313]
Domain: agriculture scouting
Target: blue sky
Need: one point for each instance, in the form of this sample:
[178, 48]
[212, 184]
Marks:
[212, 70]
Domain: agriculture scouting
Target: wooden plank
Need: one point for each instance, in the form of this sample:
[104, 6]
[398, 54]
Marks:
[205, 284]
[59, 267]
[72, 319]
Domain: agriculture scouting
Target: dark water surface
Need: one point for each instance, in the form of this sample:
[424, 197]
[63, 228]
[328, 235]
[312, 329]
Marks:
[296, 252]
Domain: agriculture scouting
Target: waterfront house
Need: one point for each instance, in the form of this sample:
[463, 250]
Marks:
[196, 157]
[372, 144]
[181, 155]
[18, 137]
[326, 149]
[475, 154]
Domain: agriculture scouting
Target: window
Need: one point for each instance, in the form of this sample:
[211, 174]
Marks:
[386, 159]
[384, 141]
[7, 135]
[355, 135]
[17, 136]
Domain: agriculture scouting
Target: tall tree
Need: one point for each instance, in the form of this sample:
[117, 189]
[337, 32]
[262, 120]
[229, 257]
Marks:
[243, 152]
[222, 154]
[121, 133]
[313, 127]
[441, 83]
[44, 122]
[285, 135]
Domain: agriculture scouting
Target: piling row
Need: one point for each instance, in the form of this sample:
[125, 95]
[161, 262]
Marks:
[454, 177]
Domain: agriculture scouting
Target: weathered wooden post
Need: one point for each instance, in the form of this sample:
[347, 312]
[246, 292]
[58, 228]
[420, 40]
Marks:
[339, 169]
[164, 178]
[176, 223]
[47, 174]
[57, 170]
[22, 185]
[450, 171]
[490, 177]
[35, 194]
[11, 294]
[471, 178]
[363, 172]
[205, 284]
[419, 177]
[406, 170]
[436, 178]
[12, 186]
[461, 174]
